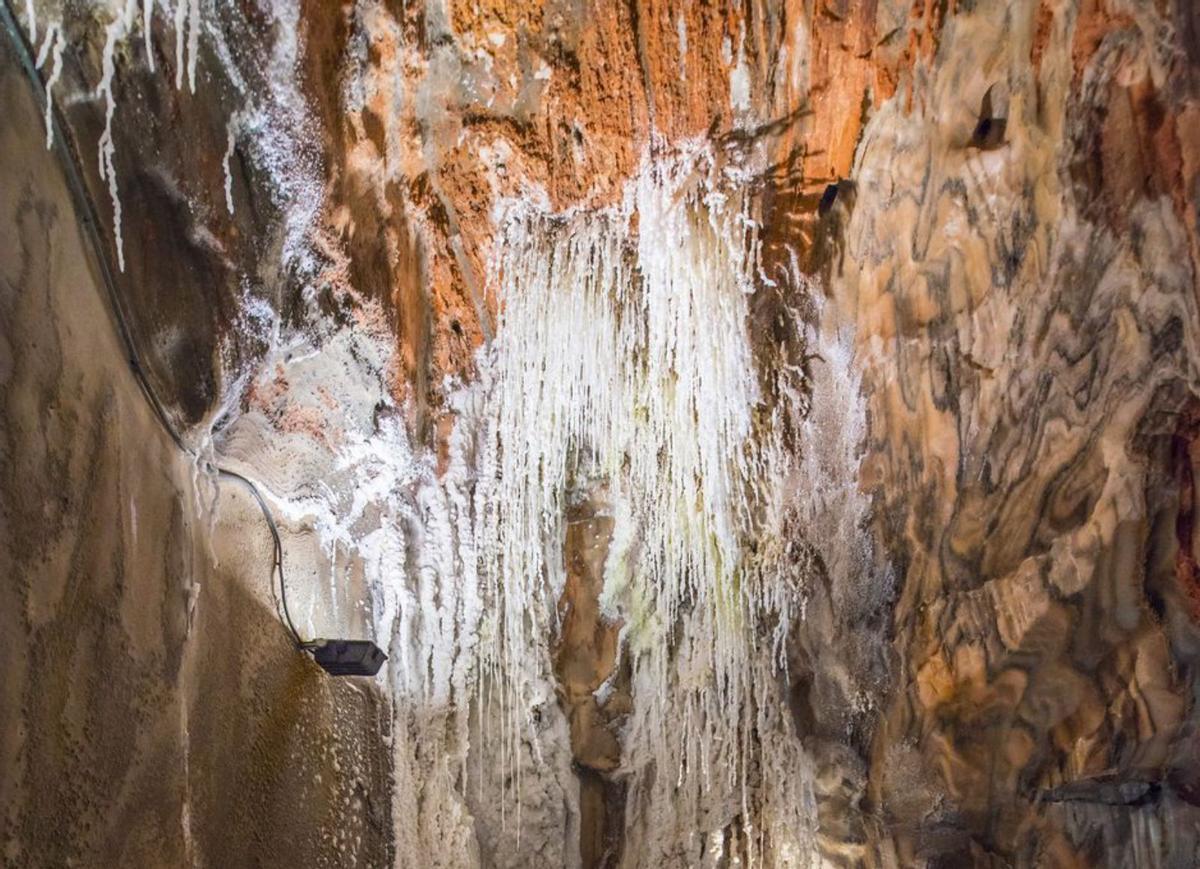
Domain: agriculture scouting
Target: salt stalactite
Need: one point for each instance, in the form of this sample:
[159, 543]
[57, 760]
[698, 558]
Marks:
[116, 30]
[52, 49]
[187, 42]
[193, 42]
[230, 144]
[181, 13]
[623, 363]
[31, 21]
[147, 31]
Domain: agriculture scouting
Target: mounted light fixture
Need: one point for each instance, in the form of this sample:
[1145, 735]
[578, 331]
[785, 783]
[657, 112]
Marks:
[347, 657]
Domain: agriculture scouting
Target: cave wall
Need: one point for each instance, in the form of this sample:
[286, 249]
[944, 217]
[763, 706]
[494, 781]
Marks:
[1026, 316]
[984, 217]
[152, 709]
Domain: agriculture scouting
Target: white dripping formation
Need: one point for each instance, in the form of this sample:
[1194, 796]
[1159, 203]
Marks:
[622, 365]
[117, 30]
[623, 360]
[187, 25]
[52, 49]
[120, 27]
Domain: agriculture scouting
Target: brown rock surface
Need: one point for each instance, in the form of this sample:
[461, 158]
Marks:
[138, 728]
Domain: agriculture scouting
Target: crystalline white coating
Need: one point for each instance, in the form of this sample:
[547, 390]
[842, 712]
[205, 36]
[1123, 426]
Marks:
[681, 32]
[147, 32]
[622, 364]
[181, 15]
[115, 31]
[31, 21]
[44, 51]
[52, 49]
[193, 42]
[231, 142]
[280, 137]
[739, 77]
[56, 56]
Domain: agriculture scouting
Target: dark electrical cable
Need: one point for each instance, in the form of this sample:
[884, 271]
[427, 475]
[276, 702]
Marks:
[225, 472]
[69, 159]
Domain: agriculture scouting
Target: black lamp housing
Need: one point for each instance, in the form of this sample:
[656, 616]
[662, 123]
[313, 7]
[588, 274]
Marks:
[347, 657]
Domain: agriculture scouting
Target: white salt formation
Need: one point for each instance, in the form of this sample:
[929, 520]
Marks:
[147, 33]
[117, 29]
[622, 366]
[187, 42]
[122, 19]
[52, 48]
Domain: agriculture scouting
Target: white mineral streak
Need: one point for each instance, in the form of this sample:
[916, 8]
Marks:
[193, 41]
[739, 77]
[52, 48]
[681, 32]
[281, 138]
[31, 21]
[230, 144]
[187, 41]
[44, 51]
[181, 15]
[116, 30]
[147, 32]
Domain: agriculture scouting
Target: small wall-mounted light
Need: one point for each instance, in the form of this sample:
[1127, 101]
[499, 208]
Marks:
[347, 657]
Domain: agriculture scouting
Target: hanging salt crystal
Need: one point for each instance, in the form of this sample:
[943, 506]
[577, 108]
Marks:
[193, 42]
[147, 32]
[107, 149]
[230, 143]
[54, 52]
[181, 16]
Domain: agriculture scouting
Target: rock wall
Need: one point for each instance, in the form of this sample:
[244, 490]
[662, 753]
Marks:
[152, 710]
[1027, 324]
[970, 318]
